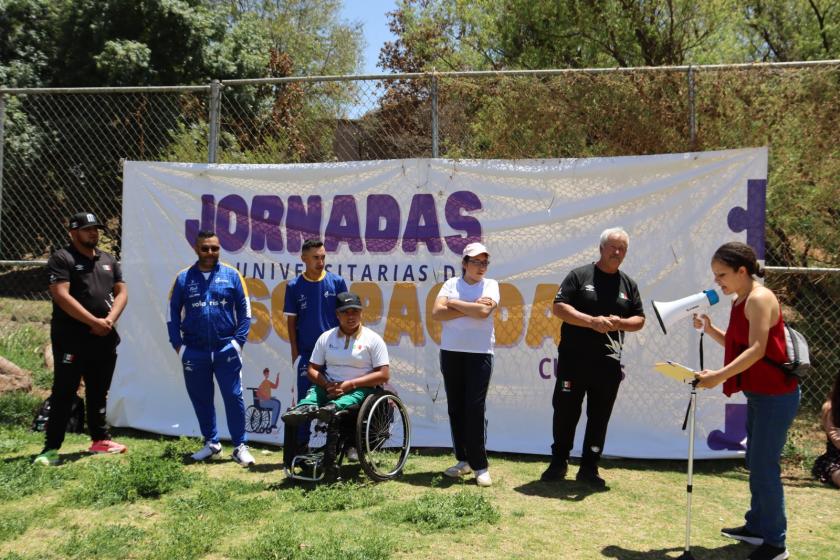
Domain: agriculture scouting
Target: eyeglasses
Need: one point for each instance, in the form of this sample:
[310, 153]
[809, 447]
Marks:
[479, 263]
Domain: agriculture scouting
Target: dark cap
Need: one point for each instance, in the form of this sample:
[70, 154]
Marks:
[83, 220]
[347, 300]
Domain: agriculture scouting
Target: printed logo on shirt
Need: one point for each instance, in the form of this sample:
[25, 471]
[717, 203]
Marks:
[188, 366]
[79, 267]
[193, 288]
[328, 293]
[302, 302]
[567, 386]
[106, 267]
[622, 295]
[220, 280]
[68, 358]
[589, 288]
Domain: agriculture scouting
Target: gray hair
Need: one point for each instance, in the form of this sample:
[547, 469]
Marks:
[614, 231]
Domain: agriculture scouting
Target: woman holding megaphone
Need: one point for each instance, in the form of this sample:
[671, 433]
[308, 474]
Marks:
[755, 330]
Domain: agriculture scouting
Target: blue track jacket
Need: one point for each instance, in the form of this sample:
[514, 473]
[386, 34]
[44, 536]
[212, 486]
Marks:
[209, 314]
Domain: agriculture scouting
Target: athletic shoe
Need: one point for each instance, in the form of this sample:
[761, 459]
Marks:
[242, 456]
[741, 534]
[48, 458]
[209, 450]
[556, 471]
[352, 454]
[482, 478]
[768, 552]
[459, 470]
[107, 446]
[300, 414]
[589, 475]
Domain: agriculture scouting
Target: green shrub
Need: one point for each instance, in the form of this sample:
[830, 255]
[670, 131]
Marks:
[17, 408]
[19, 477]
[434, 510]
[341, 496]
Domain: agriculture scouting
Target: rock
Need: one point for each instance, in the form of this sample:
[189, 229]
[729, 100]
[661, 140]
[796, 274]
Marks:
[13, 377]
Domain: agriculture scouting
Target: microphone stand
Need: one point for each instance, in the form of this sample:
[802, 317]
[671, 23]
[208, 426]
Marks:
[690, 416]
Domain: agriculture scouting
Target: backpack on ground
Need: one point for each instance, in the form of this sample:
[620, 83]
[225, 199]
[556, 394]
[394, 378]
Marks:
[799, 358]
[75, 423]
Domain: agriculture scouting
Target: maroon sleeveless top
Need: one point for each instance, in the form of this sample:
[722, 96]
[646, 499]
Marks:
[760, 377]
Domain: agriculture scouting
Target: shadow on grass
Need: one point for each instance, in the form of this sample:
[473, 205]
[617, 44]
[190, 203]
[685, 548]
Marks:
[727, 552]
[570, 490]
[63, 458]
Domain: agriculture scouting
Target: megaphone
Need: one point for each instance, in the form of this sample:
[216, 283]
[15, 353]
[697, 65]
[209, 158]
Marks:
[669, 312]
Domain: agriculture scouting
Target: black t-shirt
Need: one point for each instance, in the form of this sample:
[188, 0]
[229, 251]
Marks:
[92, 285]
[590, 290]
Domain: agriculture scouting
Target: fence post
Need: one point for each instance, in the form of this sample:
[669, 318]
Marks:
[215, 104]
[2, 143]
[692, 114]
[434, 114]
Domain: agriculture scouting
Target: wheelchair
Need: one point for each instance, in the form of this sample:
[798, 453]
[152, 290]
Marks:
[257, 418]
[378, 428]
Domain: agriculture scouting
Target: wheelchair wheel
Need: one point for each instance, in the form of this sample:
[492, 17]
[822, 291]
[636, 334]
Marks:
[265, 421]
[383, 436]
[253, 419]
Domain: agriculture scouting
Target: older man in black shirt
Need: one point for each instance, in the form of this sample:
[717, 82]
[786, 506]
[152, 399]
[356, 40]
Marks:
[598, 304]
[88, 295]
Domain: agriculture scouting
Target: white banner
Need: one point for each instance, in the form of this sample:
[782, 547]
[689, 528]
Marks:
[395, 230]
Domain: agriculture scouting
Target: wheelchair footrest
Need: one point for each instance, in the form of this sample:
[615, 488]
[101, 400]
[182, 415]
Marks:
[307, 467]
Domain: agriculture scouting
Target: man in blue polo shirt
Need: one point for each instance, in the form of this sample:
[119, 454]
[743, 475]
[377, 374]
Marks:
[310, 311]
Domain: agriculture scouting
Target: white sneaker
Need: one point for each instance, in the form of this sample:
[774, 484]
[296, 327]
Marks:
[209, 450]
[482, 478]
[242, 456]
[458, 470]
[352, 454]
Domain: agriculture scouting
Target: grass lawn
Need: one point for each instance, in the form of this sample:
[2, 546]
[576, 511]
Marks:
[152, 503]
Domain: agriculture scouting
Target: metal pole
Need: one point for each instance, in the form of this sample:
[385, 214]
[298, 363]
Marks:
[692, 409]
[435, 152]
[692, 111]
[2, 142]
[215, 103]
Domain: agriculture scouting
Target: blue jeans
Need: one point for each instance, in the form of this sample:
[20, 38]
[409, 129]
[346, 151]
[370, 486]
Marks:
[768, 420]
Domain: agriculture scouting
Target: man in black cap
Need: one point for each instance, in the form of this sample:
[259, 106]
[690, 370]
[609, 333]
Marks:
[347, 363]
[88, 296]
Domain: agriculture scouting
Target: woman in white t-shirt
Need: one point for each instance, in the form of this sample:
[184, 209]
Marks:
[465, 306]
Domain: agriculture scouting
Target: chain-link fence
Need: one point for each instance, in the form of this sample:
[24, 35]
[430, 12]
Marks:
[60, 149]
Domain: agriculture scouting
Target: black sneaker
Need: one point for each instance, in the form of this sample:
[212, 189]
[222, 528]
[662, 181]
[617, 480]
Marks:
[589, 475]
[556, 471]
[769, 552]
[326, 412]
[300, 414]
[741, 534]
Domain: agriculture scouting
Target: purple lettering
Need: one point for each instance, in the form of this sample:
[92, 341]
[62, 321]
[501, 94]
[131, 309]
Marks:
[302, 223]
[266, 217]
[233, 210]
[208, 217]
[456, 204]
[382, 228]
[422, 225]
[343, 226]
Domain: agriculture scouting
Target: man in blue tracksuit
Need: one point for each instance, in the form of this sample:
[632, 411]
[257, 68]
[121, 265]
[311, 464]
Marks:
[209, 317]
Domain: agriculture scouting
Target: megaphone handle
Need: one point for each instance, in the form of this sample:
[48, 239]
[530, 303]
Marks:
[702, 334]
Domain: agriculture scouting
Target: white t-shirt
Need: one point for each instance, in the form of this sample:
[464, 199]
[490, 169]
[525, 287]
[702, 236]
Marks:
[348, 357]
[468, 334]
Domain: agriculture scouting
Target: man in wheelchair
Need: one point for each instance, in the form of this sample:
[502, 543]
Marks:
[347, 363]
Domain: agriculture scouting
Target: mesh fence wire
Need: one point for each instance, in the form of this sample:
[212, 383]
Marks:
[62, 151]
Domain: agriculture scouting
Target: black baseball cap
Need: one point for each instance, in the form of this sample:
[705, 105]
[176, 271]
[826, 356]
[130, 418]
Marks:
[347, 300]
[83, 220]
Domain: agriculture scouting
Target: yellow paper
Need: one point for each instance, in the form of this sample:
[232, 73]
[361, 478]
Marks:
[675, 371]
